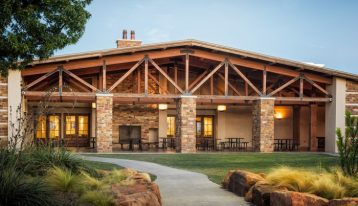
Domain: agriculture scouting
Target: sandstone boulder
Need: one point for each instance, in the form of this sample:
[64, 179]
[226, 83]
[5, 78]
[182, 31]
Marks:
[261, 193]
[142, 193]
[240, 181]
[138, 199]
[289, 198]
[344, 202]
[226, 180]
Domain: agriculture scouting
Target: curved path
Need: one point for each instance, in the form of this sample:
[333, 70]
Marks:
[181, 187]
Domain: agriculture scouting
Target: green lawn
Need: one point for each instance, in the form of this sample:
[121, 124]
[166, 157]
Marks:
[103, 165]
[216, 165]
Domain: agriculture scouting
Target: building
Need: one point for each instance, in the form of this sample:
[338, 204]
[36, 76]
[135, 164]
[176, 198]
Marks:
[176, 89]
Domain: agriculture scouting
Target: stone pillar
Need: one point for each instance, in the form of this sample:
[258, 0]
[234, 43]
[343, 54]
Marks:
[185, 124]
[263, 125]
[104, 112]
[335, 112]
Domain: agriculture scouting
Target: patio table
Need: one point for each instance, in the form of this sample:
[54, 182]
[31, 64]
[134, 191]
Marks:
[234, 142]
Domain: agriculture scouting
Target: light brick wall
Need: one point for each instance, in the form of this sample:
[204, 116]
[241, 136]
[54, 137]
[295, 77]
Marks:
[352, 97]
[185, 125]
[104, 113]
[3, 111]
[263, 125]
[140, 115]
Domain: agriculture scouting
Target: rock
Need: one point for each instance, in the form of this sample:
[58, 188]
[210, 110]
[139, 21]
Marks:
[140, 194]
[226, 181]
[240, 181]
[344, 202]
[248, 195]
[139, 199]
[289, 198]
[261, 194]
[155, 189]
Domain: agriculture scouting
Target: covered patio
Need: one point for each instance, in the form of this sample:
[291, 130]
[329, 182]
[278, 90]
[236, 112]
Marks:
[183, 96]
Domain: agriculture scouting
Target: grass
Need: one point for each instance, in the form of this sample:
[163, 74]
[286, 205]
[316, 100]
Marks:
[109, 166]
[330, 184]
[216, 165]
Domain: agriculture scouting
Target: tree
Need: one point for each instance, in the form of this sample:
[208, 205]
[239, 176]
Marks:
[348, 146]
[34, 29]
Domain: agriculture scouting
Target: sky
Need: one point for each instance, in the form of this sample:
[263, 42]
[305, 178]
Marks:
[318, 31]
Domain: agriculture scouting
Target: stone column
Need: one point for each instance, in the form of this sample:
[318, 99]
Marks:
[185, 124]
[335, 112]
[104, 112]
[263, 125]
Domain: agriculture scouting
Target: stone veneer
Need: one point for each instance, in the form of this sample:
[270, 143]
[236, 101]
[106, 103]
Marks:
[3, 111]
[263, 125]
[352, 97]
[145, 116]
[104, 111]
[185, 125]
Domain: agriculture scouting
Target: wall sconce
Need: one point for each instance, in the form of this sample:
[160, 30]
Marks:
[163, 106]
[94, 105]
[278, 115]
[221, 108]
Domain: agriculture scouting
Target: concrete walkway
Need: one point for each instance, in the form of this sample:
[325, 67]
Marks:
[181, 187]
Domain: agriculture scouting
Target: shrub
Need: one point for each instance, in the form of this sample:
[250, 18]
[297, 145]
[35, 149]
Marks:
[40, 160]
[350, 183]
[97, 198]
[348, 146]
[292, 179]
[326, 186]
[117, 176]
[62, 180]
[15, 189]
[90, 183]
[330, 185]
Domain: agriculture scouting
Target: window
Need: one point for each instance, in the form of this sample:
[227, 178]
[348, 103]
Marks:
[54, 126]
[70, 125]
[83, 126]
[208, 126]
[170, 126]
[41, 127]
[204, 126]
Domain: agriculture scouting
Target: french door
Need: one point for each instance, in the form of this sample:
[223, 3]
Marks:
[205, 126]
[76, 131]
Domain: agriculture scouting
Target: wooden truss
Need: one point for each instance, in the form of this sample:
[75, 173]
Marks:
[226, 63]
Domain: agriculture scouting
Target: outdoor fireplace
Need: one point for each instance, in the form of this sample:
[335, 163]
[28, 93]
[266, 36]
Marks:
[129, 134]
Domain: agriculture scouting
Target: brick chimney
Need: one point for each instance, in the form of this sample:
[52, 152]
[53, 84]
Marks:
[124, 42]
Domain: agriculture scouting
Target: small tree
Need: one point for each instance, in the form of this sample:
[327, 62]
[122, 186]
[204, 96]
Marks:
[348, 146]
[35, 29]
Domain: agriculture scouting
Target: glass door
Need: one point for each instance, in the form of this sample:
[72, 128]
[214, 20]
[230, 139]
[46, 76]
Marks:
[77, 130]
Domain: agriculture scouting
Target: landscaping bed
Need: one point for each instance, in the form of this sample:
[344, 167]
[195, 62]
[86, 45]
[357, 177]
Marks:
[292, 187]
[44, 176]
